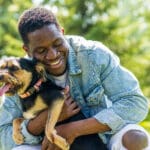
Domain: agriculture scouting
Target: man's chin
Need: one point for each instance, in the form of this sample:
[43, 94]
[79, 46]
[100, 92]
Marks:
[57, 73]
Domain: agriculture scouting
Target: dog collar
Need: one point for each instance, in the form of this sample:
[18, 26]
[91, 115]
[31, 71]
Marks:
[36, 87]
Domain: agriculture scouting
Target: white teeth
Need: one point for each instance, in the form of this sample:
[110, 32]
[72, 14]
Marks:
[55, 63]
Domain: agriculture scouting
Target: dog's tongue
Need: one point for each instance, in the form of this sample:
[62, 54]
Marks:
[4, 89]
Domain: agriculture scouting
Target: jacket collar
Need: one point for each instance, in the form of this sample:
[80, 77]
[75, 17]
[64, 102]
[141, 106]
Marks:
[73, 66]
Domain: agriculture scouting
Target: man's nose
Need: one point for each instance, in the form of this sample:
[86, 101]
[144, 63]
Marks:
[51, 53]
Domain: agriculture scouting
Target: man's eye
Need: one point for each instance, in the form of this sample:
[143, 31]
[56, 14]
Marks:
[40, 51]
[58, 43]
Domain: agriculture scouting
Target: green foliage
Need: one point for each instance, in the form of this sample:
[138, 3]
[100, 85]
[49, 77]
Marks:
[146, 123]
[10, 43]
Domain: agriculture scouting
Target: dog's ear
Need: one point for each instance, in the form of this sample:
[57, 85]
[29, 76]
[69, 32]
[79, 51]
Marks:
[41, 70]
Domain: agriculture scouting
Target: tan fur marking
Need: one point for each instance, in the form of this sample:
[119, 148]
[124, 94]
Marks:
[38, 106]
[25, 77]
[17, 136]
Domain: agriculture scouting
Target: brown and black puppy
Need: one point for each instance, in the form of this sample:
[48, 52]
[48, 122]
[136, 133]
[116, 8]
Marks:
[27, 78]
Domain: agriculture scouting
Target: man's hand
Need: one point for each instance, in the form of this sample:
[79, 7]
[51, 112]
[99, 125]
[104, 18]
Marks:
[70, 107]
[47, 145]
[67, 131]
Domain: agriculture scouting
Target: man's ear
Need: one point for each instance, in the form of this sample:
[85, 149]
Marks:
[26, 50]
[62, 30]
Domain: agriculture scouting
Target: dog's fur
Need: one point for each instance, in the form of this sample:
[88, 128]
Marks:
[20, 75]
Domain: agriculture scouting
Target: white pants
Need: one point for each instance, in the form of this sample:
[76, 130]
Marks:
[114, 144]
[27, 147]
[116, 140]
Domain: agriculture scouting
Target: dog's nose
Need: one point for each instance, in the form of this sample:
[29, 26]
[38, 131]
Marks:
[1, 77]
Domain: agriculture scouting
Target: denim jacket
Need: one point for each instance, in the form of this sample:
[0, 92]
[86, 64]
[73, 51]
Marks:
[98, 83]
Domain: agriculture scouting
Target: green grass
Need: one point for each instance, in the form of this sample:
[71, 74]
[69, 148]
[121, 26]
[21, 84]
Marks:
[146, 123]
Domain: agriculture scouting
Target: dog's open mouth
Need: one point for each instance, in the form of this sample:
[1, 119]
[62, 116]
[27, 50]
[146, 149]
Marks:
[4, 88]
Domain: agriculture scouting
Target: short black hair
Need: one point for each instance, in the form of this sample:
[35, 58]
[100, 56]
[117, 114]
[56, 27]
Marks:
[33, 19]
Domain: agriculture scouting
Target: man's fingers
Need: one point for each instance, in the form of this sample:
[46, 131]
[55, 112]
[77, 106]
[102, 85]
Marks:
[53, 147]
[45, 145]
[50, 147]
[69, 100]
[73, 105]
[67, 97]
[75, 111]
[66, 90]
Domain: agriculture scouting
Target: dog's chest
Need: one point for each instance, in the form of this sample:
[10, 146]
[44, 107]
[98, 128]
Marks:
[36, 108]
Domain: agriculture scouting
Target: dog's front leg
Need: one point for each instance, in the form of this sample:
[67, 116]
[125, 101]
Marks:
[17, 136]
[50, 125]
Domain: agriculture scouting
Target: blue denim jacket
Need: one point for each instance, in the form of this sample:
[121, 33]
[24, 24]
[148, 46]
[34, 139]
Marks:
[98, 83]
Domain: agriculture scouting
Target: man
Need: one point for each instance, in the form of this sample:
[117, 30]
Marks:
[108, 94]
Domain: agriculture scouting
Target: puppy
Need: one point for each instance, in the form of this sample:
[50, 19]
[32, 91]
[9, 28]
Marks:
[28, 79]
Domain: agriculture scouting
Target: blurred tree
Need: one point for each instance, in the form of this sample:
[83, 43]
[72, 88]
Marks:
[9, 11]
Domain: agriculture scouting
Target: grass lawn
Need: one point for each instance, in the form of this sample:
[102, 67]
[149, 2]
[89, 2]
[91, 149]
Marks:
[146, 123]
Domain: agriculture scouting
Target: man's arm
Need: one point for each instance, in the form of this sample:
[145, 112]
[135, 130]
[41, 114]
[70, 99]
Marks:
[129, 105]
[8, 111]
[36, 126]
[72, 130]
[6, 115]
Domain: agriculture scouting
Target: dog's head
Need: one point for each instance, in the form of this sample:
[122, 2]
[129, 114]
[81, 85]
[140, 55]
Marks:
[16, 74]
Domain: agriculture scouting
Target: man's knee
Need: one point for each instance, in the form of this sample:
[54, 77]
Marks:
[135, 139]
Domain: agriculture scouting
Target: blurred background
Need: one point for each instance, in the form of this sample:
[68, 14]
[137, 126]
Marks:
[122, 25]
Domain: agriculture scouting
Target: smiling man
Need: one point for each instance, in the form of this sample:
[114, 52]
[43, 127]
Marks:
[108, 95]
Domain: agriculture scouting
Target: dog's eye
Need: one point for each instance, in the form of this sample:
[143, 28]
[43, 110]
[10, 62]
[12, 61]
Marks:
[2, 67]
[14, 68]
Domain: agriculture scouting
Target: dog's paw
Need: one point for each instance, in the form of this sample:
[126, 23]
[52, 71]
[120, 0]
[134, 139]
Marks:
[59, 141]
[18, 138]
[62, 143]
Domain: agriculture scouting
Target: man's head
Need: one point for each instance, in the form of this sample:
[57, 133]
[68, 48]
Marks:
[43, 39]
[33, 19]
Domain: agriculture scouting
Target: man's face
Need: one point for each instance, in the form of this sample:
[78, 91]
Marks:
[48, 46]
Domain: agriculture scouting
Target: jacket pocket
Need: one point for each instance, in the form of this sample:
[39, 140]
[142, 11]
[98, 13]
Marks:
[95, 96]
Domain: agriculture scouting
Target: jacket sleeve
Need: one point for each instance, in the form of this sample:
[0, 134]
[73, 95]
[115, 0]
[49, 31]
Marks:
[122, 88]
[10, 110]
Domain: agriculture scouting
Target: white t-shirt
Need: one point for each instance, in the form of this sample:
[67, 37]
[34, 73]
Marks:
[62, 80]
